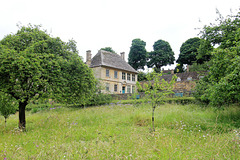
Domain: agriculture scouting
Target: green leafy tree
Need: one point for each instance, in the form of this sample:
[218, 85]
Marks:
[109, 49]
[161, 56]
[7, 106]
[220, 34]
[156, 89]
[222, 84]
[204, 52]
[138, 54]
[189, 51]
[35, 65]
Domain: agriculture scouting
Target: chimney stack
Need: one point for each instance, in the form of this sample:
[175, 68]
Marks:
[88, 57]
[123, 55]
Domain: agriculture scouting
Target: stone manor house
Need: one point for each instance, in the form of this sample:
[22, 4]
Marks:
[114, 73]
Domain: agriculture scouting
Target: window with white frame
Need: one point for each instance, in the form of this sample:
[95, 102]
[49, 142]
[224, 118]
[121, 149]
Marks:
[128, 89]
[115, 87]
[133, 77]
[133, 89]
[128, 77]
[115, 74]
[107, 72]
[107, 86]
[124, 75]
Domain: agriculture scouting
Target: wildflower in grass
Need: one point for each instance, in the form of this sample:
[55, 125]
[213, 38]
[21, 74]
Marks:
[37, 145]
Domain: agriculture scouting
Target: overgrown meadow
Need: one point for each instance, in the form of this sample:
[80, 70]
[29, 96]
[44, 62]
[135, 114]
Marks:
[122, 131]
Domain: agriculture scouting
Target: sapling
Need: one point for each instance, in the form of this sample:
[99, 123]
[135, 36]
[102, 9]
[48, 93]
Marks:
[7, 106]
[156, 89]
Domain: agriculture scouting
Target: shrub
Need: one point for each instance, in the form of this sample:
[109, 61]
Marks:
[99, 99]
[8, 106]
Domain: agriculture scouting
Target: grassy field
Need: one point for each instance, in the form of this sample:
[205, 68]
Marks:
[124, 132]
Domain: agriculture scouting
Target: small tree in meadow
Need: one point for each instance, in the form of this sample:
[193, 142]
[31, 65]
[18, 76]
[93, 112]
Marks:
[7, 106]
[156, 89]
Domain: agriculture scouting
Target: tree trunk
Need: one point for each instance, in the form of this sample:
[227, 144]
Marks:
[153, 118]
[5, 122]
[22, 120]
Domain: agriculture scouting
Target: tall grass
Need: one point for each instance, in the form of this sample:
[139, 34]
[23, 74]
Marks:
[123, 132]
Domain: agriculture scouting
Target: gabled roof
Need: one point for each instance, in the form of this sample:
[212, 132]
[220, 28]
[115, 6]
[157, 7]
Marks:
[109, 59]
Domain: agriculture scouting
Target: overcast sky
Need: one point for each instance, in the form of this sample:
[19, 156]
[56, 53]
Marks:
[95, 24]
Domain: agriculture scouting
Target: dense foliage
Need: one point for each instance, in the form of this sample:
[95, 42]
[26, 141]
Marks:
[222, 85]
[138, 54]
[33, 65]
[189, 51]
[220, 34]
[161, 56]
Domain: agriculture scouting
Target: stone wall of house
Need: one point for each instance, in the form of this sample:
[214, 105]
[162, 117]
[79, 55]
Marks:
[115, 84]
[184, 86]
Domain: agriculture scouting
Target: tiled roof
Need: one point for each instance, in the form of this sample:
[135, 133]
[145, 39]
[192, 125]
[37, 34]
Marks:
[113, 60]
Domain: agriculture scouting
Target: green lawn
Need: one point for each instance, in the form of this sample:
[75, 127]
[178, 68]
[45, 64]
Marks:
[124, 132]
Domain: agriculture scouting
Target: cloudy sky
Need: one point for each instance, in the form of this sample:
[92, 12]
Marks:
[95, 24]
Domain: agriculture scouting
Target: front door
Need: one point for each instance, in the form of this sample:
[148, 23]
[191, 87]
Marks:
[123, 89]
